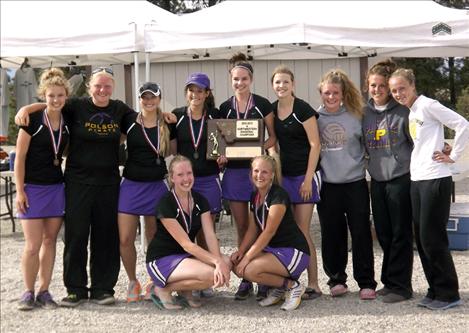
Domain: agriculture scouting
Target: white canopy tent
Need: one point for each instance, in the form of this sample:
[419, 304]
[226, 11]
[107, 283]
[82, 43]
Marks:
[312, 30]
[87, 32]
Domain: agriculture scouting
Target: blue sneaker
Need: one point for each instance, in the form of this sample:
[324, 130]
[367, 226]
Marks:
[26, 302]
[44, 300]
[245, 290]
[261, 292]
[425, 301]
[442, 305]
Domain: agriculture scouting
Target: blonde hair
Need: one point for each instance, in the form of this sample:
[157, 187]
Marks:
[164, 134]
[352, 98]
[273, 166]
[405, 73]
[52, 77]
[176, 159]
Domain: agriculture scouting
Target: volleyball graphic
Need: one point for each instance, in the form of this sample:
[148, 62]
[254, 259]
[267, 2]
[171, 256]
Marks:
[333, 137]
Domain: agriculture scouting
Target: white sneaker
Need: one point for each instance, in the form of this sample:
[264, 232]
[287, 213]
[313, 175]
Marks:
[273, 297]
[293, 297]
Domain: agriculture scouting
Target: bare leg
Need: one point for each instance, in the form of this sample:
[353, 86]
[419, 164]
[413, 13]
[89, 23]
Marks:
[150, 227]
[303, 215]
[266, 269]
[127, 233]
[51, 227]
[33, 230]
[239, 210]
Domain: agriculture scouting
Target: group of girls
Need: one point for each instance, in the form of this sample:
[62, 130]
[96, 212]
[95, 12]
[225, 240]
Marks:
[322, 156]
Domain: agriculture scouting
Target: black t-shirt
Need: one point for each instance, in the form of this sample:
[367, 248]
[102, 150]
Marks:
[201, 166]
[94, 140]
[141, 164]
[260, 109]
[163, 244]
[288, 233]
[292, 138]
[39, 165]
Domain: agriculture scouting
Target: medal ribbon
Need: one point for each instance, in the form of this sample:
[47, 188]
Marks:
[157, 148]
[187, 225]
[195, 143]
[260, 221]
[249, 105]
[55, 145]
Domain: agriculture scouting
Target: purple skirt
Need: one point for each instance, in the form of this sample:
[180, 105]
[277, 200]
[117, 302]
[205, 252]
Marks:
[209, 187]
[237, 185]
[161, 269]
[44, 201]
[292, 185]
[140, 198]
[295, 261]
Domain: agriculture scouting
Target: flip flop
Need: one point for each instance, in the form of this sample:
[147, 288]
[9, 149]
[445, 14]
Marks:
[310, 294]
[162, 305]
[188, 303]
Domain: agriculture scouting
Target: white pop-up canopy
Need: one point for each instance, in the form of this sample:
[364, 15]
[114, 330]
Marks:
[54, 33]
[312, 30]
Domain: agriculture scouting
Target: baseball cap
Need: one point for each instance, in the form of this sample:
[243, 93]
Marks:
[199, 79]
[150, 87]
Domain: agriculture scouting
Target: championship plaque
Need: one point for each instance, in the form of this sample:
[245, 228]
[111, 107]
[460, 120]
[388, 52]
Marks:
[236, 139]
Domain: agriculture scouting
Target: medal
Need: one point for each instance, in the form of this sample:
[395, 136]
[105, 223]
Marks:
[187, 224]
[195, 143]
[260, 220]
[55, 145]
[249, 105]
[147, 139]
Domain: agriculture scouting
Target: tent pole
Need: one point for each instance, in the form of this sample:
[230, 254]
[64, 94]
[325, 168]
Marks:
[136, 70]
[147, 67]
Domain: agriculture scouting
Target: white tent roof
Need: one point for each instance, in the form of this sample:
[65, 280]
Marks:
[87, 32]
[311, 30]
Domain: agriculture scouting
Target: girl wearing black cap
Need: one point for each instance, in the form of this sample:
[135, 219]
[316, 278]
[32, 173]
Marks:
[236, 185]
[144, 179]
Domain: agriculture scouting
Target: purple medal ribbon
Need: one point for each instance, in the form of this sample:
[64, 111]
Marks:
[187, 225]
[157, 148]
[55, 145]
[249, 105]
[195, 142]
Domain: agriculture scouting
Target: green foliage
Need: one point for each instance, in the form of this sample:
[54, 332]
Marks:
[184, 6]
[462, 106]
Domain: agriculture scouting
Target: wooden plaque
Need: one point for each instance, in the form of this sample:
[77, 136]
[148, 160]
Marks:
[240, 139]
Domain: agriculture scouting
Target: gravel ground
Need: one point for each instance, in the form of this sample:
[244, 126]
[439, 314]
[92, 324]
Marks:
[222, 313]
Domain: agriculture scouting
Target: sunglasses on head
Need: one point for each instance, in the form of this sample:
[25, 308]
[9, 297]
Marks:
[103, 69]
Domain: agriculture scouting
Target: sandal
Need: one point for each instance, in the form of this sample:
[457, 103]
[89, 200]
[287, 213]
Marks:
[310, 294]
[188, 302]
[165, 305]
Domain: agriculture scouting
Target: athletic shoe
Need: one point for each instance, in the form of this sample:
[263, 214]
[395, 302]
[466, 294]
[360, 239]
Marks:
[293, 297]
[133, 291]
[338, 290]
[367, 294]
[149, 290]
[245, 290]
[72, 300]
[44, 299]
[209, 292]
[442, 305]
[425, 301]
[261, 292]
[383, 291]
[104, 299]
[274, 296]
[27, 301]
[393, 298]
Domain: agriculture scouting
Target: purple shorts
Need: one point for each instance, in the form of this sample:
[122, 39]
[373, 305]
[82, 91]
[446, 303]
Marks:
[140, 198]
[236, 185]
[161, 269]
[292, 185]
[209, 187]
[44, 201]
[294, 260]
